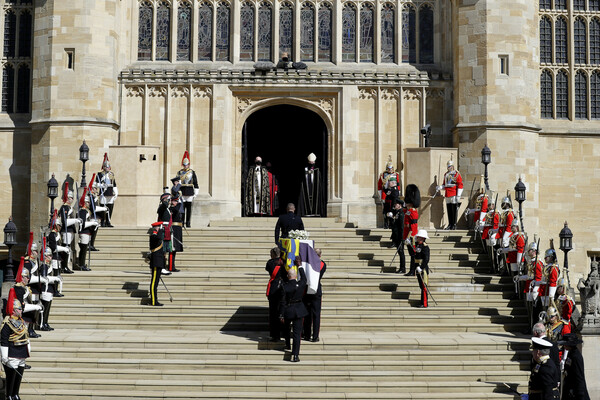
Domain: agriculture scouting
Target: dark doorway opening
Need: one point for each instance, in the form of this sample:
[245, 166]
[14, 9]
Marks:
[285, 135]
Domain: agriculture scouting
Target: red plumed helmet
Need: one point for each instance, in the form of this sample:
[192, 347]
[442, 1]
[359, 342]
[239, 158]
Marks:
[19, 277]
[83, 197]
[186, 159]
[65, 197]
[30, 244]
[10, 303]
[105, 162]
[92, 182]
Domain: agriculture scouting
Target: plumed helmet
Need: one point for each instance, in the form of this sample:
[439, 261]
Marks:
[552, 312]
[12, 302]
[25, 273]
[19, 277]
[515, 223]
[449, 164]
[532, 246]
[412, 195]
[312, 158]
[506, 202]
[48, 252]
[550, 253]
[185, 161]
[390, 164]
[482, 184]
[105, 163]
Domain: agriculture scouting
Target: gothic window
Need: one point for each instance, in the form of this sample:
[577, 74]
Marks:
[184, 32]
[579, 5]
[594, 95]
[594, 5]
[560, 4]
[8, 87]
[163, 31]
[545, 4]
[545, 40]
[145, 32]
[426, 35]
[595, 41]
[307, 33]
[560, 38]
[286, 28]
[562, 95]
[388, 33]
[546, 94]
[580, 95]
[222, 32]
[205, 17]
[580, 41]
[10, 34]
[23, 80]
[349, 33]
[367, 18]
[247, 32]
[265, 24]
[409, 35]
[325, 32]
[25, 34]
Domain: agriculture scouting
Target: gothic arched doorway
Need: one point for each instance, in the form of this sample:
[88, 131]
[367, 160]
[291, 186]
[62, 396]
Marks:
[284, 136]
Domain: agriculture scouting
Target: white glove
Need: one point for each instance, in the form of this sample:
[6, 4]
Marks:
[4, 351]
[524, 396]
[115, 192]
[63, 249]
[379, 191]
[43, 279]
[419, 270]
[552, 291]
[562, 297]
[29, 348]
[390, 215]
[459, 193]
[407, 241]
[439, 188]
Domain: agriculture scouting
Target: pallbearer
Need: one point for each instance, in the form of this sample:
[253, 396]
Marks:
[419, 254]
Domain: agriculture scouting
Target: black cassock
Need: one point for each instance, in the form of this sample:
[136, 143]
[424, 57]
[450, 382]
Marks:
[312, 200]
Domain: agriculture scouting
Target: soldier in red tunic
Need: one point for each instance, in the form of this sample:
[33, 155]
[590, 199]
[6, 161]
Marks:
[453, 187]
[412, 201]
[481, 207]
[507, 216]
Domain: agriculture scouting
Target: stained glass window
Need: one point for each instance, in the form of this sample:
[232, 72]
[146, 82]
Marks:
[409, 32]
[307, 33]
[325, 32]
[580, 95]
[545, 40]
[265, 29]
[388, 33]
[594, 5]
[10, 34]
[25, 34]
[579, 5]
[247, 32]
[560, 4]
[595, 95]
[8, 88]
[545, 4]
[367, 18]
[145, 32]
[24, 78]
[286, 28]
[595, 41]
[562, 95]
[560, 38]
[349, 33]
[580, 41]
[222, 30]
[184, 32]
[163, 31]
[205, 17]
[426, 35]
[546, 94]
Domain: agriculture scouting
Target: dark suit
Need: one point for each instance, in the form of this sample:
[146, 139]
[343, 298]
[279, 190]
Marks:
[287, 223]
[419, 255]
[543, 381]
[275, 292]
[574, 387]
[292, 310]
[157, 263]
[312, 302]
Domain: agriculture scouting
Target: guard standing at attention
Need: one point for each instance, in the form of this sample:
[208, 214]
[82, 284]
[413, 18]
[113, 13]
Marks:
[15, 347]
[453, 187]
[157, 261]
[189, 187]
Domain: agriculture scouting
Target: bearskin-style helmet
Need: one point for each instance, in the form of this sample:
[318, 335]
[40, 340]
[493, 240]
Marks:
[412, 195]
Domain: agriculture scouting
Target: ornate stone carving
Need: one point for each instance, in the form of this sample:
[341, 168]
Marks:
[390, 94]
[367, 93]
[157, 91]
[326, 105]
[436, 93]
[180, 91]
[202, 91]
[244, 103]
[134, 91]
[412, 94]
[589, 292]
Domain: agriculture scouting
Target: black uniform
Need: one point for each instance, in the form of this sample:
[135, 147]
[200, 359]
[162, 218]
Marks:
[286, 223]
[419, 257]
[312, 194]
[64, 213]
[542, 382]
[292, 310]
[177, 235]
[274, 294]
[574, 386]
[86, 229]
[312, 302]
[157, 263]
[397, 225]
[14, 336]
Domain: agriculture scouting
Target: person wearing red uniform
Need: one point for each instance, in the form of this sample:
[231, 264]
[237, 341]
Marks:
[507, 216]
[532, 279]
[549, 278]
[387, 180]
[516, 246]
[488, 236]
[565, 307]
[412, 201]
[420, 259]
[453, 187]
[481, 208]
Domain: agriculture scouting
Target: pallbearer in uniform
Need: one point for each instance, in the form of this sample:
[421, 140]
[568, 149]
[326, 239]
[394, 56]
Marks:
[157, 260]
[420, 263]
[108, 191]
[277, 276]
[544, 373]
[189, 187]
[292, 310]
[412, 201]
[312, 302]
[453, 187]
[176, 231]
[387, 179]
[14, 346]
[258, 196]
[312, 201]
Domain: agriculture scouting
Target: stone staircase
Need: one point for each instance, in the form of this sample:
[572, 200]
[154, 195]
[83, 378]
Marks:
[210, 342]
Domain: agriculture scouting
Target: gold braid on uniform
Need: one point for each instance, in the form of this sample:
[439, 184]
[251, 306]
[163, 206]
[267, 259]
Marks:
[18, 327]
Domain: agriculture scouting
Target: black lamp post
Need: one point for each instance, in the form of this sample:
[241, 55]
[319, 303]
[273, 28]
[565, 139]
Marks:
[52, 193]
[486, 158]
[520, 197]
[566, 242]
[84, 155]
[10, 239]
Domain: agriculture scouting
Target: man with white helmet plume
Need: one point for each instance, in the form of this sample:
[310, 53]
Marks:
[453, 187]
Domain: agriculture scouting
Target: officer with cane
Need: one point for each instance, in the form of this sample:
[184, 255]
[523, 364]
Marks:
[419, 262]
[157, 260]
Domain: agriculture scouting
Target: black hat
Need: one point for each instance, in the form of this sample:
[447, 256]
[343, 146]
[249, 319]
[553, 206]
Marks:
[570, 339]
[539, 343]
[412, 195]
[177, 178]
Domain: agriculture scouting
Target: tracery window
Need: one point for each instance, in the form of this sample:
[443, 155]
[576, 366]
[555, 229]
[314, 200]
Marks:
[579, 5]
[367, 19]
[223, 25]
[580, 41]
[286, 28]
[325, 32]
[307, 33]
[594, 5]
[145, 32]
[8, 88]
[562, 95]
[580, 95]
[163, 31]
[409, 29]
[388, 33]
[265, 24]
[426, 35]
[546, 94]
[545, 40]
[349, 33]
[23, 89]
[595, 41]
[545, 5]
[184, 32]
[560, 4]
[595, 95]
[10, 33]
[205, 18]
[561, 40]
[247, 32]
[25, 29]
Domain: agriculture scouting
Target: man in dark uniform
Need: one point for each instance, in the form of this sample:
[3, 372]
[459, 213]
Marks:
[176, 231]
[419, 262]
[412, 202]
[544, 374]
[312, 302]
[292, 310]
[157, 261]
[574, 386]
[288, 222]
[165, 217]
[189, 187]
[15, 347]
[22, 292]
[277, 277]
